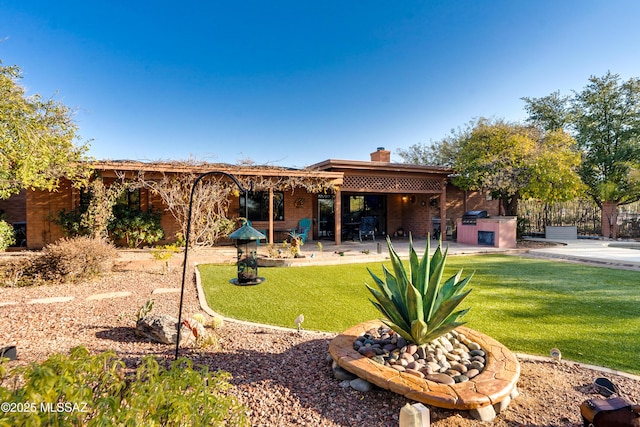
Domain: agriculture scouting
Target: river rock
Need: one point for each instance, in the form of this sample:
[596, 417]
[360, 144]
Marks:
[441, 378]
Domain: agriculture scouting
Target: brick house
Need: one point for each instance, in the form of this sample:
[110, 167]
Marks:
[401, 198]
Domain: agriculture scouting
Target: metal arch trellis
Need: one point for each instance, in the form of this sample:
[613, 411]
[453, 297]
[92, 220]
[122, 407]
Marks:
[186, 248]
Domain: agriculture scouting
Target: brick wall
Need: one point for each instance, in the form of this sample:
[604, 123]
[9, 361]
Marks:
[42, 206]
[14, 209]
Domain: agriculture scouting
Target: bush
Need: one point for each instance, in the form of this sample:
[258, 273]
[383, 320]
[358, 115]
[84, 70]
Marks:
[7, 237]
[15, 271]
[135, 227]
[71, 223]
[81, 389]
[71, 259]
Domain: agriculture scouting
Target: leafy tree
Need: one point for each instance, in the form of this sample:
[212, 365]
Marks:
[36, 140]
[605, 121]
[441, 153]
[514, 161]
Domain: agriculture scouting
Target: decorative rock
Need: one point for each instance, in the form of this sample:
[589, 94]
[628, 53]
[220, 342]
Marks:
[441, 378]
[472, 373]
[360, 385]
[502, 405]
[514, 393]
[415, 372]
[343, 374]
[474, 346]
[459, 367]
[452, 355]
[485, 414]
[367, 351]
[476, 365]
[158, 328]
[378, 359]
[461, 378]
[411, 349]
[422, 352]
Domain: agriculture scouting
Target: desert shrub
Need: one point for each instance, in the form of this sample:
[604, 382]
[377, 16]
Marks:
[94, 390]
[71, 259]
[7, 237]
[15, 271]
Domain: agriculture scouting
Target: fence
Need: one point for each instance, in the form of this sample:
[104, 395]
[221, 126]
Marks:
[583, 213]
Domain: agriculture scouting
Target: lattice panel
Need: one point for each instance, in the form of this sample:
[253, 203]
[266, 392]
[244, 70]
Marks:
[390, 184]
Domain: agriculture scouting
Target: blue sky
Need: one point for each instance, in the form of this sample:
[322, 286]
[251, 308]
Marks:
[292, 83]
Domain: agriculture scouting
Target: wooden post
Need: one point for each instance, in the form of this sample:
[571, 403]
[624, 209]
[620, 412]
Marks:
[443, 210]
[337, 212]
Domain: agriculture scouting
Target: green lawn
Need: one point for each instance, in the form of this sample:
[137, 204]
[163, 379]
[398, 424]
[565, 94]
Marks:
[591, 314]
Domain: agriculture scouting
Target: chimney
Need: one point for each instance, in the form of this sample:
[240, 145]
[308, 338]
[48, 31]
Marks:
[381, 155]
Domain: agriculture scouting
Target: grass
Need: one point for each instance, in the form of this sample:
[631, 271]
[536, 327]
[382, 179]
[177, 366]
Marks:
[591, 314]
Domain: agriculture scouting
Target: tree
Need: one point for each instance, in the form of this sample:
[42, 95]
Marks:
[441, 153]
[36, 140]
[514, 161]
[604, 118]
[211, 200]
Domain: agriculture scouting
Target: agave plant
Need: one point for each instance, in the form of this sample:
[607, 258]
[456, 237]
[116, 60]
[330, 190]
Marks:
[419, 305]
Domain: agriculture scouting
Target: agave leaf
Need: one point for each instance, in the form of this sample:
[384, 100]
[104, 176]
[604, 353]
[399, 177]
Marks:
[389, 308]
[419, 267]
[450, 289]
[392, 318]
[381, 284]
[443, 329]
[414, 304]
[403, 333]
[398, 268]
[445, 309]
[419, 330]
[397, 293]
[425, 270]
[453, 285]
[437, 269]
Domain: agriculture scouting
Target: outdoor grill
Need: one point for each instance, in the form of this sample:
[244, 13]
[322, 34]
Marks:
[471, 217]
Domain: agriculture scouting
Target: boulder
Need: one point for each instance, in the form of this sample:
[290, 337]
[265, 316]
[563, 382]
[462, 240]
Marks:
[162, 328]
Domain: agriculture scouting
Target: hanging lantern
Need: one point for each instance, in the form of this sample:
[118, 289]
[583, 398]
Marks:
[247, 239]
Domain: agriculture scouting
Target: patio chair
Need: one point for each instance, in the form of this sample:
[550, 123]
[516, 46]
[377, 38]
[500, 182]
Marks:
[302, 230]
[367, 227]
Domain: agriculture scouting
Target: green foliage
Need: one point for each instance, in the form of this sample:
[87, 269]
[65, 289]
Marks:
[37, 140]
[441, 153]
[164, 254]
[7, 237]
[604, 118]
[145, 309]
[418, 305]
[515, 161]
[99, 213]
[135, 227]
[95, 391]
[71, 223]
[92, 219]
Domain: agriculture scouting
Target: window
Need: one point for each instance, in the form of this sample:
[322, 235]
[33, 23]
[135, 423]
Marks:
[129, 199]
[259, 206]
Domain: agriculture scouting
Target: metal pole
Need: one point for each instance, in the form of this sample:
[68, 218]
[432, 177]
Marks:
[186, 248]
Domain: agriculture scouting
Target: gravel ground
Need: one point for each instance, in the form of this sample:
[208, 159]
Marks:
[282, 377]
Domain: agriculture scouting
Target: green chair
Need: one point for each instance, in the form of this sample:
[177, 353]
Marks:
[302, 230]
